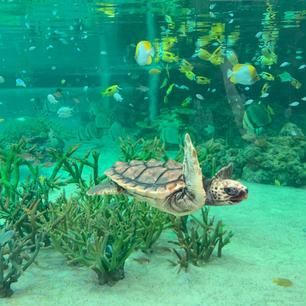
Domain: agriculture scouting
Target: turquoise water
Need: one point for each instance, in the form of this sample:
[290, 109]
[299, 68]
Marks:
[231, 74]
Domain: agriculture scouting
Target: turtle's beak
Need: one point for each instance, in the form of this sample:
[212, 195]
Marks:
[243, 195]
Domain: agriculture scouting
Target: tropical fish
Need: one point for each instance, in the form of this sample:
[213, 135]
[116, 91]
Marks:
[285, 77]
[186, 102]
[243, 74]
[267, 76]
[154, 71]
[283, 282]
[277, 182]
[182, 87]
[144, 53]
[110, 91]
[256, 117]
[202, 54]
[202, 80]
[185, 66]
[199, 96]
[20, 83]
[52, 99]
[268, 57]
[248, 102]
[168, 57]
[169, 90]
[1, 120]
[190, 75]
[168, 42]
[217, 57]
[117, 97]
[170, 22]
[64, 112]
[264, 88]
[285, 64]
[164, 83]
[295, 83]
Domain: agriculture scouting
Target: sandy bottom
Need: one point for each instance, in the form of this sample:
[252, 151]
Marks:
[269, 242]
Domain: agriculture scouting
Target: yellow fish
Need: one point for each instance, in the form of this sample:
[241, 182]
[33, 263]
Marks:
[202, 54]
[202, 80]
[268, 57]
[190, 75]
[243, 74]
[107, 8]
[1, 120]
[267, 76]
[168, 42]
[110, 91]
[168, 57]
[170, 22]
[264, 88]
[203, 41]
[144, 53]
[277, 182]
[186, 102]
[216, 58]
[185, 66]
[295, 83]
[169, 89]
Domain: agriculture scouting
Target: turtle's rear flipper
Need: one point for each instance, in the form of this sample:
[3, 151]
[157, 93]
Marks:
[105, 188]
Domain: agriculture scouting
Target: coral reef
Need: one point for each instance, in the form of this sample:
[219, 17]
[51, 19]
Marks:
[198, 239]
[97, 233]
[16, 255]
[266, 159]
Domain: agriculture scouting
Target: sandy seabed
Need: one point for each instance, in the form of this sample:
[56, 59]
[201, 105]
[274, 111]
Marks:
[269, 242]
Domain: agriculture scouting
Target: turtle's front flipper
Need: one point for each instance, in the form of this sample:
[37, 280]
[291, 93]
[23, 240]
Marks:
[192, 197]
[192, 171]
[105, 188]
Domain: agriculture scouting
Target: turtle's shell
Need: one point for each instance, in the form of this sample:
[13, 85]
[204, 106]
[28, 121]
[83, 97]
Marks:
[151, 179]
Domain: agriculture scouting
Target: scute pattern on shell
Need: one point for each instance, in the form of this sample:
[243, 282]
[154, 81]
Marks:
[153, 179]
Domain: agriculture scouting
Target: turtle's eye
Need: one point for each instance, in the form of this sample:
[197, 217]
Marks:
[232, 191]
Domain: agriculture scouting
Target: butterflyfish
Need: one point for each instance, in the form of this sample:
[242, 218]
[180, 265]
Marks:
[243, 74]
[144, 53]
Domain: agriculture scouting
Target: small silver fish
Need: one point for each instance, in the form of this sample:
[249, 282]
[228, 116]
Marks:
[302, 66]
[295, 103]
[284, 64]
[264, 95]
[248, 102]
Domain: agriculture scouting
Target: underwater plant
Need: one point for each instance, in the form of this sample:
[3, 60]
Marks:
[151, 222]
[16, 255]
[142, 149]
[99, 233]
[199, 239]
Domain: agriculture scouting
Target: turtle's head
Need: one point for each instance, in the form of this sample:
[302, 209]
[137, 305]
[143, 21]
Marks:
[221, 190]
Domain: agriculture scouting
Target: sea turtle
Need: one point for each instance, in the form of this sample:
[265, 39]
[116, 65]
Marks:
[179, 189]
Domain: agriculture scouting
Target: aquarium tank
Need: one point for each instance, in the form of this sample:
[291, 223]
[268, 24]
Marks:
[152, 152]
